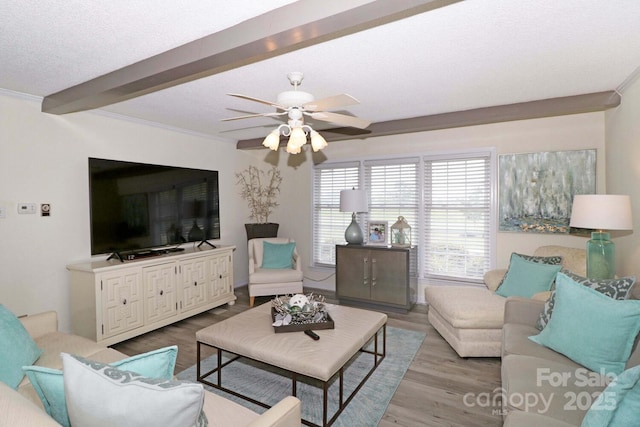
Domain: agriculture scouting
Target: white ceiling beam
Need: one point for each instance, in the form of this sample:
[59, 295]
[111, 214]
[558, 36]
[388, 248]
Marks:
[295, 26]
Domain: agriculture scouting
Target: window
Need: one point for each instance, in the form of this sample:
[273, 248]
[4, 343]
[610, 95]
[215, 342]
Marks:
[447, 200]
[329, 223]
[457, 217]
[393, 192]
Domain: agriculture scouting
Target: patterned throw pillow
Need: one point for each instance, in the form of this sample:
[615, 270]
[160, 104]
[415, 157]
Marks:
[613, 288]
[49, 383]
[100, 395]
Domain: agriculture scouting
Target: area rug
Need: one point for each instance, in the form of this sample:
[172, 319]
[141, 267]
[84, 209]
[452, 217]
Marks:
[269, 385]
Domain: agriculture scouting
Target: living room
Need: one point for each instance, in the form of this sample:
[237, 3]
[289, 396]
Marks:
[44, 160]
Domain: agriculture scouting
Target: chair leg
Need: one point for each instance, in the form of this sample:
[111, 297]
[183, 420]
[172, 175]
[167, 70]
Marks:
[251, 301]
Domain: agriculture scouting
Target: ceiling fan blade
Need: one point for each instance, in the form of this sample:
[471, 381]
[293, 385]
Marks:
[253, 115]
[262, 101]
[341, 119]
[331, 103]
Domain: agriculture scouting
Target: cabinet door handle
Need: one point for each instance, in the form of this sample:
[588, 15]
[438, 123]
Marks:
[161, 292]
[195, 283]
[221, 276]
[124, 301]
[373, 271]
[365, 275]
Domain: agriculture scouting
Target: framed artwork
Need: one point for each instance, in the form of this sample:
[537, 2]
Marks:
[378, 232]
[536, 189]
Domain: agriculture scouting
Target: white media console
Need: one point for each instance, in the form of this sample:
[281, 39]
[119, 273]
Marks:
[112, 301]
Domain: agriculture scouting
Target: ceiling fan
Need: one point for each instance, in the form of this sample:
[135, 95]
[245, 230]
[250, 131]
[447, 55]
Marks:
[296, 104]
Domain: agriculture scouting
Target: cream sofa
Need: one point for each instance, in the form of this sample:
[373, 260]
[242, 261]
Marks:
[22, 407]
[470, 318]
[522, 360]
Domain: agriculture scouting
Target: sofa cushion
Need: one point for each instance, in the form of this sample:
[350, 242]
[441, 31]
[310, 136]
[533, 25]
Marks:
[49, 383]
[549, 388]
[24, 350]
[515, 340]
[100, 395]
[493, 278]
[18, 411]
[573, 259]
[619, 403]
[467, 307]
[598, 332]
[529, 275]
[613, 288]
[277, 255]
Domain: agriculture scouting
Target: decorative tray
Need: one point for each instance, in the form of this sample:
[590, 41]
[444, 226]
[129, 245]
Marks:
[299, 327]
[300, 313]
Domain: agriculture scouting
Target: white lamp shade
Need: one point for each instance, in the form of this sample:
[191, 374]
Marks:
[317, 141]
[298, 138]
[272, 140]
[601, 212]
[353, 201]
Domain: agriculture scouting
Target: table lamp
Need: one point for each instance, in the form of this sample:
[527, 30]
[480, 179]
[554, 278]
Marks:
[601, 212]
[353, 201]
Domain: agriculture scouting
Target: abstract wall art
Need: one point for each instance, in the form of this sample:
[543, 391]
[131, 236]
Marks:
[536, 189]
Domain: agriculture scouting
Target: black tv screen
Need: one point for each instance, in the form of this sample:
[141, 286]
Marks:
[136, 206]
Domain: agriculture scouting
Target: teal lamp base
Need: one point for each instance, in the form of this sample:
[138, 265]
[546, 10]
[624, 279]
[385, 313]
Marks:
[600, 256]
[353, 233]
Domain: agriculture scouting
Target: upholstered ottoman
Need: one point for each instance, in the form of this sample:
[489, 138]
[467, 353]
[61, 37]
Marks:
[469, 318]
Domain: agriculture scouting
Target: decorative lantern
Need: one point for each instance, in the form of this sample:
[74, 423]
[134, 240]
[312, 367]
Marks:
[401, 233]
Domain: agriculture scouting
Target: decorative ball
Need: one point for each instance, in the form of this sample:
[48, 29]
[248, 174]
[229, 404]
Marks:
[298, 300]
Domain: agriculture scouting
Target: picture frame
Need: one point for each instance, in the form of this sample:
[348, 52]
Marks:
[378, 233]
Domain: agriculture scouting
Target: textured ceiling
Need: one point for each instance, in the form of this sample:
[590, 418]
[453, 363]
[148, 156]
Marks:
[471, 54]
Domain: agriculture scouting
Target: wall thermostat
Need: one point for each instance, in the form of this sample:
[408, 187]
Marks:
[45, 209]
[26, 208]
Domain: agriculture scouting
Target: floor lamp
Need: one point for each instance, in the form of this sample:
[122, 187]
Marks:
[353, 201]
[601, 212]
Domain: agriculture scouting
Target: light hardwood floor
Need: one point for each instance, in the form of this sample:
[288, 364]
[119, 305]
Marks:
[430, 394]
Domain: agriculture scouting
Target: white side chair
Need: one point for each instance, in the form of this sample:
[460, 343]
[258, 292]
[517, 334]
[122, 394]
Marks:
[269, 281]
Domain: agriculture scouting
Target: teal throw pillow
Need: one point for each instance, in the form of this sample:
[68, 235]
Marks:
[100, 395]
[18, 348]
[526, 278]
[49, 383]
[590, 328]
[613, 288]
[618, 404]
[277, 255]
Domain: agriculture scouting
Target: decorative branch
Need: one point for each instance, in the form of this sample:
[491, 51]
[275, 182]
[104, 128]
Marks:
[261, 198]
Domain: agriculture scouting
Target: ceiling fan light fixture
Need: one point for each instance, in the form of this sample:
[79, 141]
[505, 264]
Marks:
[272, 141]
[317, 141]
[297, 139]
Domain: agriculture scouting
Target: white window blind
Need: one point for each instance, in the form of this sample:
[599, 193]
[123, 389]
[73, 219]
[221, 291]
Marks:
[457, 217]
[329, 223]
[393, 188]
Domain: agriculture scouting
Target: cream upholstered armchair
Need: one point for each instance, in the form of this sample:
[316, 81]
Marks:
[275, 268]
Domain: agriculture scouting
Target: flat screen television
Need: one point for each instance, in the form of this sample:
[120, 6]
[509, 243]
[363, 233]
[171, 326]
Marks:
[138, 206]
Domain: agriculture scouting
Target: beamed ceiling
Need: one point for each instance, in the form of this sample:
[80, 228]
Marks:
[413, 65]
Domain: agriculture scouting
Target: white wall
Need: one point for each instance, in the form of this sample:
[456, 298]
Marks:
[581, 131]
[43, 159]
[623, 172]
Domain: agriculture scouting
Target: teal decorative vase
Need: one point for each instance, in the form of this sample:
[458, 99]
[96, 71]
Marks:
[600, 256]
